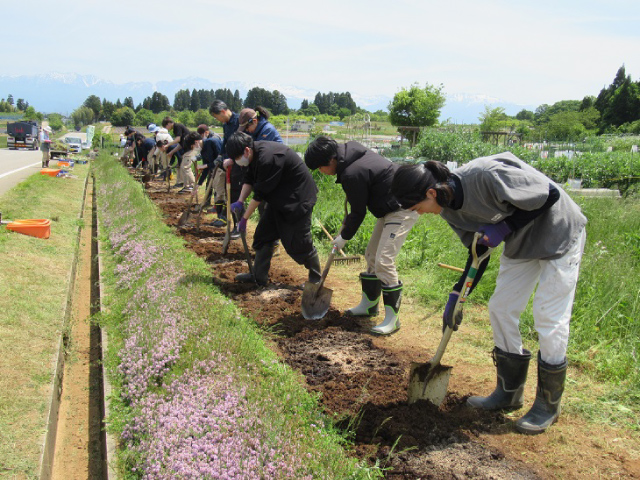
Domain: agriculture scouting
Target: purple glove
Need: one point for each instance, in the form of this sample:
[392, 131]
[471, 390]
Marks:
[242, 225]
[494, 233]
[237, 208]
[447, 316]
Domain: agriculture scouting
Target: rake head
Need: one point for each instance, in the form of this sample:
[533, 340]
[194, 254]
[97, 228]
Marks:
[347, 259]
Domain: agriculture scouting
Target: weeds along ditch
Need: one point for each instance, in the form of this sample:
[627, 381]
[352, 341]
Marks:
[197, 394]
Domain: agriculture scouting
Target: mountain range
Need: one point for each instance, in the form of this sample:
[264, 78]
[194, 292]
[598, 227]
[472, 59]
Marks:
[64, 92]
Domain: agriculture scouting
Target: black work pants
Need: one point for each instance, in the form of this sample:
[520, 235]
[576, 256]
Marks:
[295, 235]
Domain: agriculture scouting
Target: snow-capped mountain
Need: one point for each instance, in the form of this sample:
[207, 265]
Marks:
[64, 92]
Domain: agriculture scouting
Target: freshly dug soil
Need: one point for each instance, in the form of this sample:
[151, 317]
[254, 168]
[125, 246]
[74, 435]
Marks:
[363, 380]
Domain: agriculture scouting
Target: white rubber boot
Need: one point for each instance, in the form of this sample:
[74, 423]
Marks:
[371, 288]
[391, 297]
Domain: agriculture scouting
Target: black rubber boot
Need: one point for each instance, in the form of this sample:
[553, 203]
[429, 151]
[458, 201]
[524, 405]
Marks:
[511, 369]
[313, 265]
[391, 297]
[546, 407]
[371, 289]
[261, 266]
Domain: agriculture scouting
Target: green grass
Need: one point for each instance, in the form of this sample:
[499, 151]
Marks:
[33, 287]
[288, 410]
[3, 141]
[605, 328]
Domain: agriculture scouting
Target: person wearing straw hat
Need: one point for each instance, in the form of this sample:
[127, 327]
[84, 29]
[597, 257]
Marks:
[543, 231]
[366, 177]
[45, 145]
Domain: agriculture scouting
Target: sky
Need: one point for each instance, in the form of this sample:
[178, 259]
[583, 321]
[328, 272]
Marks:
[524, 52]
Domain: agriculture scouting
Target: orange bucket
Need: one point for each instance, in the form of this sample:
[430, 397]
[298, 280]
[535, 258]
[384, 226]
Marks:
[62, 163]
[52, 172]
[34, 228]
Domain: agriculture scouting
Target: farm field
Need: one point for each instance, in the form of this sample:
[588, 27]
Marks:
[362, 379]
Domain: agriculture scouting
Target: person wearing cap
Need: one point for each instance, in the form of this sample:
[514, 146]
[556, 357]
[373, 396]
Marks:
[176, 146]
[45, 145]
[277, 175]
[366, 178]
[211, 156]
[230, 123]
[256, 123]
[543, 230]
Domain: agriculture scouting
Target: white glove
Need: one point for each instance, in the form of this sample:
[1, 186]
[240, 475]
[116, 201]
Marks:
[339, 242]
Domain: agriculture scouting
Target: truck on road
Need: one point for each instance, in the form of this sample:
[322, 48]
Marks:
[22, 135]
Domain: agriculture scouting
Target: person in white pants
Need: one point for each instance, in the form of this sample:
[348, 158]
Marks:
[543, 231]
[366, 178]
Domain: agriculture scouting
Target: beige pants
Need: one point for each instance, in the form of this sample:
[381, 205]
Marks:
[385, 243]
[185, 173]
[219, 186]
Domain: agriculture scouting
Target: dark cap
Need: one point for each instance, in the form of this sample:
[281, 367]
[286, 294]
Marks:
[246, 115]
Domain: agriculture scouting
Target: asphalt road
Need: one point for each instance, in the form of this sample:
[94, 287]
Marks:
[17, 165]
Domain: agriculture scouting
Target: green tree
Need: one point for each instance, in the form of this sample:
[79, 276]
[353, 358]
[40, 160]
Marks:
[21, 104]
[31, 114]
[525, 114]
[416, 106]
[182, 100]
[82, 116]
[186, 118]
[55, 121]
[128, 102]
[107, 109]
[10, 100]
[93, 102]
[144, 117]
[123, 116]
[492, 119]
[202, 116]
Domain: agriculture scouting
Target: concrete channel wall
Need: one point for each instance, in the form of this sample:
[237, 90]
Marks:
[48, 441]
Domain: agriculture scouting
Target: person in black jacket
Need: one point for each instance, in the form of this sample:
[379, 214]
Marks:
[366, 180]
[275, 174]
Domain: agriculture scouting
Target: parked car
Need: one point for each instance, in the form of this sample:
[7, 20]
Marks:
[74, 144]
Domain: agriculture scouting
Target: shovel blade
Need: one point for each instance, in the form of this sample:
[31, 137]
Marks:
[184, 218]
[428, 382]
[315, 301]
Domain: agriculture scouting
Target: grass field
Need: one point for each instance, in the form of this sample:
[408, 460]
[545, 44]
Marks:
[34, 276]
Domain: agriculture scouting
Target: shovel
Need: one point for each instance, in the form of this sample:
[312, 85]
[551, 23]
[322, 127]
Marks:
[316, 299]
[204, 199]
[243, 235]
[227, 234]
[429, 381]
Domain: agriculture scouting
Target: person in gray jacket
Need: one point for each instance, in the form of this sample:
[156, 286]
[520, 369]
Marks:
[366, 179]
[543, 231]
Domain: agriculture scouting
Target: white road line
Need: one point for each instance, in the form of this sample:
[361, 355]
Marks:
[18, 169]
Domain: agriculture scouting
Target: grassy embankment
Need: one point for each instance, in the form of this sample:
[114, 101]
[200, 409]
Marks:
[197, 389]
[605, 338]
[34, 276]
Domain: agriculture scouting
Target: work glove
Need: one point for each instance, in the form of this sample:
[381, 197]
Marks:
[493, 234]
[237, 208]
[339, 242]
[447, 316]
[242, 225]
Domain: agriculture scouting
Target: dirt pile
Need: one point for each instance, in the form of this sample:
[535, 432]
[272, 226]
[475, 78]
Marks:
[362, 385]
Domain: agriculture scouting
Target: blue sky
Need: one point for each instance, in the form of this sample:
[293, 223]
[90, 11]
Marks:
[525, 52]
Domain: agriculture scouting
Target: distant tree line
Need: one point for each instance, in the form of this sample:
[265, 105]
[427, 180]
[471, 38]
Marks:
[616, 110]
[191, 106]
